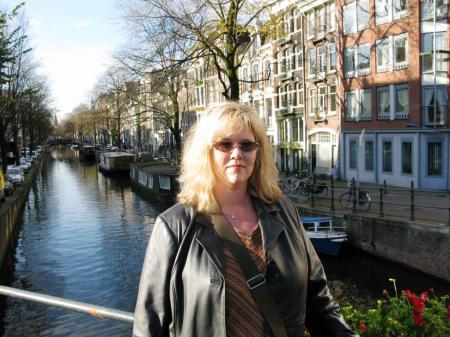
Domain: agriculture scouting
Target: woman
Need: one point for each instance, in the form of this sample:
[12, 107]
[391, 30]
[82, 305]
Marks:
[192, 283]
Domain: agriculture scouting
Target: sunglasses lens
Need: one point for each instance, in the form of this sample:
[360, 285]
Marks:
[223, 146]
[248, 146]
[228, 146]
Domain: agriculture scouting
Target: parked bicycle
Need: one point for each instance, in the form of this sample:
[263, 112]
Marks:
[309, 187]
[291, 185]
[347, 198]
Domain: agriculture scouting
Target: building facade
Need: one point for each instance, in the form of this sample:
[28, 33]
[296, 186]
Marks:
[395, 87]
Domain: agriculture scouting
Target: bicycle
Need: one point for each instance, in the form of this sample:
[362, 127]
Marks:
[346, 199]
[308, 187]
[292, 184]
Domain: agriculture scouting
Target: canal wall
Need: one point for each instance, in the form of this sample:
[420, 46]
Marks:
[11, 209]
[421, 246]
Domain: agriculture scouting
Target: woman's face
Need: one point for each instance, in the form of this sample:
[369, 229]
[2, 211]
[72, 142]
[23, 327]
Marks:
[234, 165]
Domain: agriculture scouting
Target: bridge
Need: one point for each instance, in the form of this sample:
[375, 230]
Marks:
[62, 141]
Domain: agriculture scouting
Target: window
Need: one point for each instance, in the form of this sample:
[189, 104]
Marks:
[282, 97]
[357, 60]
[387, 156]
[383, 55]
[295, 133]
[245, 79]
[388, 10]
[401, 51]
[363, 59]
[332, 99]
[369, 155]
[392, 53]
[393, 102]
[268, 112]
[310, 22]
[365, 112]
[402, 101]
[313, 101]
[384, 102]
[435, 158]
[358, 105]
[322, 24]
[299, 56]
[349, 62]
[312, 61]
[356, 16]
[350, 105]
[349, 18]
[292, 96]
[353, 154]
[430, 98]
[255, 76]
[407, 157]
[267, 73]
[321, 59]
[427, 53]
[427, 7]
[322, 99]
[282, 130]
[331, 20]
[298, 20]
[362, 15]
[331, 56]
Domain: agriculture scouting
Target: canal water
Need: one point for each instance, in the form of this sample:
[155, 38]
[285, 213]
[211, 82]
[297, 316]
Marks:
[83, 237]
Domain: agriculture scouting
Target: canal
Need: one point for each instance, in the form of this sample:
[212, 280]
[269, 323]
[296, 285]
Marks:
[83, 236]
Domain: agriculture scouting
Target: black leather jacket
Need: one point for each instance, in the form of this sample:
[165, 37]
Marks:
[182, 287]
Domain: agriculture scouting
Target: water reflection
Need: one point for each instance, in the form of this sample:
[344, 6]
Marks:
[83, 237]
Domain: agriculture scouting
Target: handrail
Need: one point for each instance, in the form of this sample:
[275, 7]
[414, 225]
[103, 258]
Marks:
[91, 309]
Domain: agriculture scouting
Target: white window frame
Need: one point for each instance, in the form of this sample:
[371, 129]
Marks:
[402, 64]
[321, 100]
[351, 11]
[351, 52]
[393, 114]
[361, 71]
[312, 101]
[331, 17]
[331, 96]
[321, 64]
[391, 64]
[311, 67]
[310, 25]
[356, 114]
[331, 54]
[392, 13]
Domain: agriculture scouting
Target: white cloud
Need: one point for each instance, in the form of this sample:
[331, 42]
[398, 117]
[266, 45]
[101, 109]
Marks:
[80, 24]
[73, 72]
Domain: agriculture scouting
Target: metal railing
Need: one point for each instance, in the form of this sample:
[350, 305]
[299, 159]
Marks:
[403, 199]
[90, 309]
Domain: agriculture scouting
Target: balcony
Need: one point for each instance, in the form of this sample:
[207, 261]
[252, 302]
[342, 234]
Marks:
[317, 75]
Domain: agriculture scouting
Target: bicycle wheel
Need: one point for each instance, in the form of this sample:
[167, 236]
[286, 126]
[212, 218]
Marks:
[346, 200]
[364, 201]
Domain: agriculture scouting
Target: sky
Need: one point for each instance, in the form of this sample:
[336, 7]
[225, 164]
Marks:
[74, 41]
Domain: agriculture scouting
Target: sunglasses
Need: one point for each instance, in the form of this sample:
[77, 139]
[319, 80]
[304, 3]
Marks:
[246, 146]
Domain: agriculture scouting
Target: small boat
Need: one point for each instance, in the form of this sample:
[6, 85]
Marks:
[325, 238]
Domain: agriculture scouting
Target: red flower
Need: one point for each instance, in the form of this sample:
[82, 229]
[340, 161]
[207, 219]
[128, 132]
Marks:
[419, 306]
[448, 311]
[362, 327]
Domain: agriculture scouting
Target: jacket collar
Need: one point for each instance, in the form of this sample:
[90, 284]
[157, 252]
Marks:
[271, 225]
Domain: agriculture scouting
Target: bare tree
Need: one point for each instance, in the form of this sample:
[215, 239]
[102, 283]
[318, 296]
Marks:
[218, 30]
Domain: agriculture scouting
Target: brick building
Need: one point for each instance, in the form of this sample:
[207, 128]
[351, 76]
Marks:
[395, 88]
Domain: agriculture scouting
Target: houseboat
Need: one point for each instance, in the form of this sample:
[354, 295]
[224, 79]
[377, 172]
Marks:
[116, 162]
[156, 180]
[87, 152]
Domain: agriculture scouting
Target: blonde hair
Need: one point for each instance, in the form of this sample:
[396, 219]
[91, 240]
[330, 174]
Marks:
[197, 175]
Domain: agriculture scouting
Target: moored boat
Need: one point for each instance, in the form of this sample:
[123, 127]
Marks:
[326, 238]
[116, 162]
